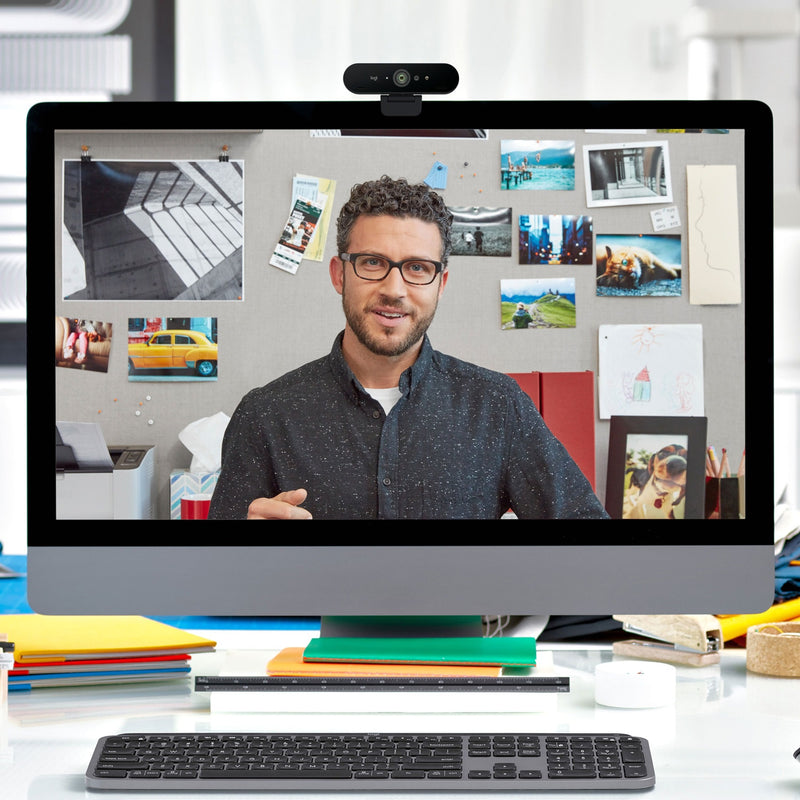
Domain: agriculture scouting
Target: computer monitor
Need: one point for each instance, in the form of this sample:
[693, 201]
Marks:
[689, 180]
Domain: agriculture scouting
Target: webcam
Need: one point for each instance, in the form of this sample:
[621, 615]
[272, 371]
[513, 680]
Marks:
[401, 85]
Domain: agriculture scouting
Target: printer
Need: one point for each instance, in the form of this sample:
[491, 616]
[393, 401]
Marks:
[94, 481]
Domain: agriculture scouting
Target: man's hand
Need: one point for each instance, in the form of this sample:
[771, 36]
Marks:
[283, 506]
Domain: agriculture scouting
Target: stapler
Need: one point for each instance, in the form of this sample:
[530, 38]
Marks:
[691, 639]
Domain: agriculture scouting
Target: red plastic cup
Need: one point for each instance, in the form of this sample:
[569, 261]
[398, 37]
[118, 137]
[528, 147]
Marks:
[195, 506]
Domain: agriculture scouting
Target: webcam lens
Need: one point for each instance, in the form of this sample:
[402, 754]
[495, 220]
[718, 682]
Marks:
[401, 78]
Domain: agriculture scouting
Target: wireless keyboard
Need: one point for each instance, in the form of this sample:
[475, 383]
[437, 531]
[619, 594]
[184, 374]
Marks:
[370, 762]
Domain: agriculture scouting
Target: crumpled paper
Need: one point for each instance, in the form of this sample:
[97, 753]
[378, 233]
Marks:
[203, 438]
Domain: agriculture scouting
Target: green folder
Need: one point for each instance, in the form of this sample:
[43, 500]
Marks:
[502, 652]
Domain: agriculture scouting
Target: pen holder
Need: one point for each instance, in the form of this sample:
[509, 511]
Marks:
[724, 498]
[774, 649]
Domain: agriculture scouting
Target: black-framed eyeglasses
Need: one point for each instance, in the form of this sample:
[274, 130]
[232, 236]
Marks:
[416, 271]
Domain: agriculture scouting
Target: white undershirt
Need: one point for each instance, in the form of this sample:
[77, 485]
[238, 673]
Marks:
[386, 397]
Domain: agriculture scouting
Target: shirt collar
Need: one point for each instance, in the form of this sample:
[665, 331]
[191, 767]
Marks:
[409, 380]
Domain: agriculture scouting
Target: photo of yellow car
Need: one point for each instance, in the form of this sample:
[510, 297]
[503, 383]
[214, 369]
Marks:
[174, 350]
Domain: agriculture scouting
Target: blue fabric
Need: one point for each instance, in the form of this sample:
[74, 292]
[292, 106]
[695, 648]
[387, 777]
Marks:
[787, 576]
[14, 591]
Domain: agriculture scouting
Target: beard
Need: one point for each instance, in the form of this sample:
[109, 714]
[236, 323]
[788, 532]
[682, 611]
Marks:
[388, 341]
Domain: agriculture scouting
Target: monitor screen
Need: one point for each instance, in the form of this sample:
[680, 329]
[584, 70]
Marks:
[612, 258]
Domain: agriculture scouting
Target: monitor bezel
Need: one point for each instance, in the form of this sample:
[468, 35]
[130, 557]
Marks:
[47, 119]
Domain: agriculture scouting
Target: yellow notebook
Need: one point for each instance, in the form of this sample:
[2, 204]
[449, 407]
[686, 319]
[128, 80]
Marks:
[39, 637]
[289, 663]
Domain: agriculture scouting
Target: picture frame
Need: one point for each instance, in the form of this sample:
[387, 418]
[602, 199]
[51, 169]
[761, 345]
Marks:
[656, 467]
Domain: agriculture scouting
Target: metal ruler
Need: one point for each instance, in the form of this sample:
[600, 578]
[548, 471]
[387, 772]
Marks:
[272, 683]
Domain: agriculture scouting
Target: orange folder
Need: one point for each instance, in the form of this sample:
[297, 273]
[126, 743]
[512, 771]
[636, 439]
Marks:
[289, 663]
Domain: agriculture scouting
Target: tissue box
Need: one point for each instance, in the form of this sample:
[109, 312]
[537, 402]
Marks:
[183, 482]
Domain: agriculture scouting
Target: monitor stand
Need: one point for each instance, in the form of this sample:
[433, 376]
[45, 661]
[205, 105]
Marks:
[407, 627]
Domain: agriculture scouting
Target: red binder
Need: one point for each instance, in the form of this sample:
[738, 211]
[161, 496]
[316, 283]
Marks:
[566, 402]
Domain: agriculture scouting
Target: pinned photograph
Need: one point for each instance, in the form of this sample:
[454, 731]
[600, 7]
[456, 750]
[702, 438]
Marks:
[83, 344]
[172, 349]
[537, 165]
[152, 230]
[537, 303]
[479, 231]
[627, 174]
[555, 239]
[638, 265]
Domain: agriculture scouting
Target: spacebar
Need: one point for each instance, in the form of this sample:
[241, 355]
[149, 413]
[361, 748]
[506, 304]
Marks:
[269, 774]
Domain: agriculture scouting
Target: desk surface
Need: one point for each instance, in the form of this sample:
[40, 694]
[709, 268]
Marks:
[731, 733]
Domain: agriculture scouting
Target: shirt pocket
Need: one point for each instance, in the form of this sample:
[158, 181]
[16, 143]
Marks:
[470, 500]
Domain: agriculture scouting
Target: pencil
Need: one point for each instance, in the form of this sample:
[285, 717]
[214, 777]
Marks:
[723, 464]
[713, 459]
[740, 471]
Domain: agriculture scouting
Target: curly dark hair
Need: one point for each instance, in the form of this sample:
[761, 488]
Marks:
[397, 198]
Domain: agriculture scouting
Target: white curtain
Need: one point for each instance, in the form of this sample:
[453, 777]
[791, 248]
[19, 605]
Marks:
[268, 50]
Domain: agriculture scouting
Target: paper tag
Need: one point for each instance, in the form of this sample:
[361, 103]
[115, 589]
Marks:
[437, 177]
[6, 660]
[664, 218]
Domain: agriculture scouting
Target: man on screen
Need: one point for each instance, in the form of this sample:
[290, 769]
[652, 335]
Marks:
[385, 427]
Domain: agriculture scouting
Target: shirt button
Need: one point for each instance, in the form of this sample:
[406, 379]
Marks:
[376, 414]
[387, 481]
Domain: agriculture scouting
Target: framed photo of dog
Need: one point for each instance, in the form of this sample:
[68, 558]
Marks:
[656, 467]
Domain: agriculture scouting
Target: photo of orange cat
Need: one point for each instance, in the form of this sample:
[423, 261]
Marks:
[638, 265]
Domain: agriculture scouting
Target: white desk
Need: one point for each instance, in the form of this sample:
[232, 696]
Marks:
[730, 734]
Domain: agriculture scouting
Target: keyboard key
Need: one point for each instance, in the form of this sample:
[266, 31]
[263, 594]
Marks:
[583, 774]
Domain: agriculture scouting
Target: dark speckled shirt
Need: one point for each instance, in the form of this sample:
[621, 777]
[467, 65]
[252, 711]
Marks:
[462, 442]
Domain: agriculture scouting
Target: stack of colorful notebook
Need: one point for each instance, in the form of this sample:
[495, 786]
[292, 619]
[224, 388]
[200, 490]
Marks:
[54, 651]
[405, 657]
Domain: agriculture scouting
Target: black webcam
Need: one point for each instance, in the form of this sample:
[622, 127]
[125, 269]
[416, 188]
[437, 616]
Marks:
[400, 85]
